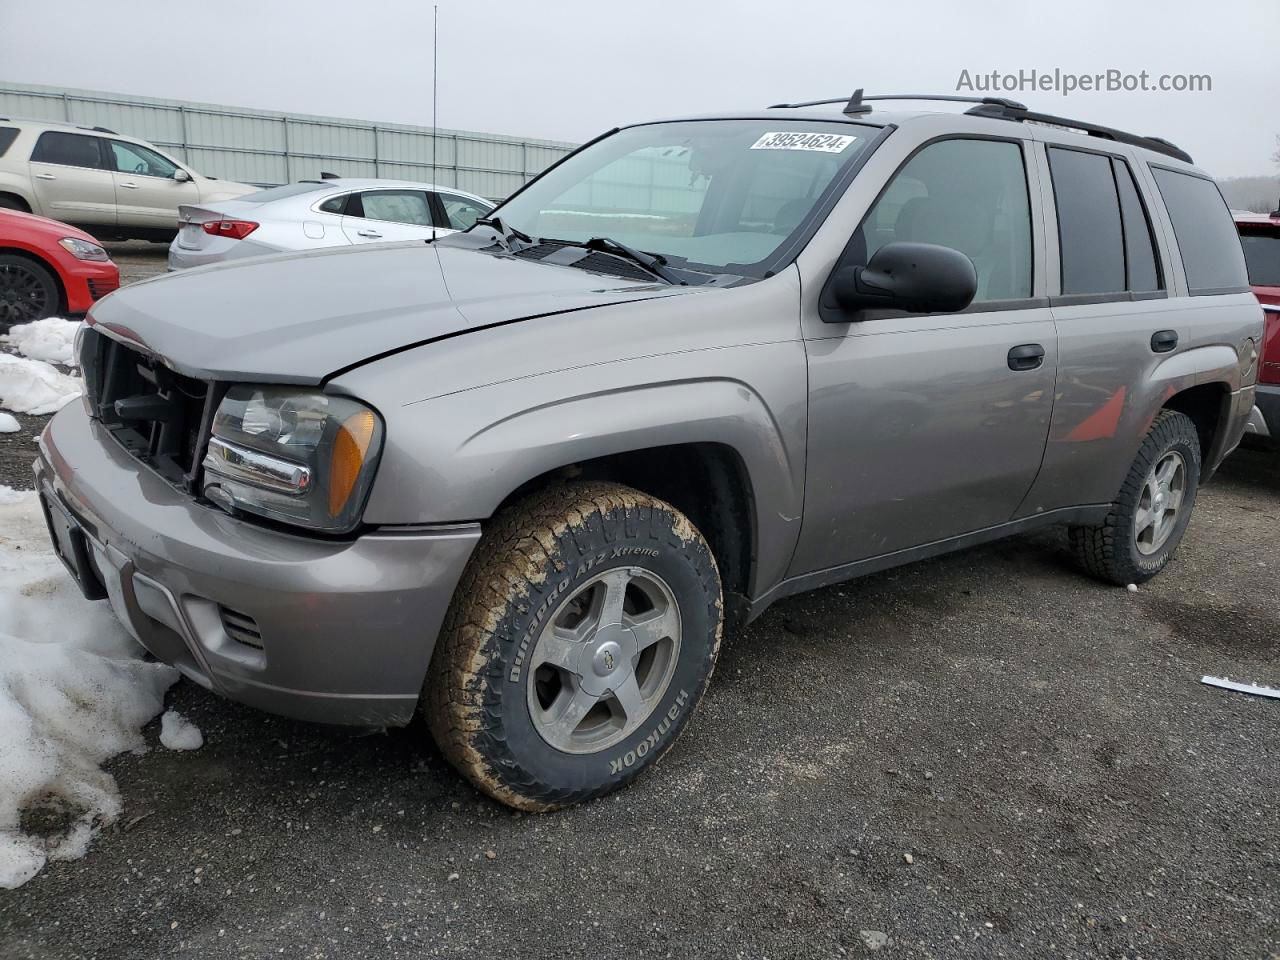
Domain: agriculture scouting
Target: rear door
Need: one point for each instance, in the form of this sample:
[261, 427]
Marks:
[71, 181]
[923, 427]
[1110, 298]
[147, 195]
[381, 216]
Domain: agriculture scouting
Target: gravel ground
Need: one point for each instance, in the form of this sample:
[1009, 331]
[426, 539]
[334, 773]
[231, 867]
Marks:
[982, 755]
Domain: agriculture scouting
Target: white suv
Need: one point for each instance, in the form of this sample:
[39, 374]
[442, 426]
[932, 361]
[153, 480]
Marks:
[111, 185]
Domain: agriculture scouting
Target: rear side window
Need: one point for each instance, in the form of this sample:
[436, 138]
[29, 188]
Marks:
[335, 204]
[1207, 238]
[7, 136]
[68, 150]
[1262, 255]
[970, 195]
[1090, 231]
[1142, 275]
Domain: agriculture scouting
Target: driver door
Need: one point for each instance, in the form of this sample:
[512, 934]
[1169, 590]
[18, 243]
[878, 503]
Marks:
[925, 427]
[147, 195]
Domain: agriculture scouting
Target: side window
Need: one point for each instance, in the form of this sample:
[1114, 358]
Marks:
[1090, 233]
[7, 136]
[1207, 238]
[462, 212]
[68, 150]
[397, 206]
[335, 204]
[134, 158]
[970, 195]
[1140, 270]
[1262, 255]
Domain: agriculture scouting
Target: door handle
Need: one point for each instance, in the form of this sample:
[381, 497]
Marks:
[129, 186]
[1028, 356]
[371, 234]
[45, 176]
[1162, 341]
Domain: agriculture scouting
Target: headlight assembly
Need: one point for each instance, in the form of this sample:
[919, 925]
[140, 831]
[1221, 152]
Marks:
[293, 455]
[84, 250]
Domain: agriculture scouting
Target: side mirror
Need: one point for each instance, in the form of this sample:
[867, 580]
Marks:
[181, 175]
[915, 277]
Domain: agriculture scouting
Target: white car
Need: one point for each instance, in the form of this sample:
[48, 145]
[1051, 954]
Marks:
[101, 181]
[320, 213]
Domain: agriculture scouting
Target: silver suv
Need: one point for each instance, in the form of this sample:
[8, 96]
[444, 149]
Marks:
[109, 184]
[523, 476]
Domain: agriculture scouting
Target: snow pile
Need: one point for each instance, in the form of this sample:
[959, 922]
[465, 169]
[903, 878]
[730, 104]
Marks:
[9, 423]
[50, 339]
[74, 691]
[33, 386]
[179, 733]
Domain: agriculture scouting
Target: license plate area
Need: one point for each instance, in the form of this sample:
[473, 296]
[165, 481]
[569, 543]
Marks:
[72, 548]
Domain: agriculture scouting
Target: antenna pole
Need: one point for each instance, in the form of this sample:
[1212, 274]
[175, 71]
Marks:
[435, 58]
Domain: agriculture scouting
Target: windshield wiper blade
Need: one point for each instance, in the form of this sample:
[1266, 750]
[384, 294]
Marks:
[654, 263]
[505, 232]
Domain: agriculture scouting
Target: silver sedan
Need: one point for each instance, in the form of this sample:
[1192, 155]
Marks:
[320, 213]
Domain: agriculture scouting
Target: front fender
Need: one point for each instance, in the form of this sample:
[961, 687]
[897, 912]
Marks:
[471, 420]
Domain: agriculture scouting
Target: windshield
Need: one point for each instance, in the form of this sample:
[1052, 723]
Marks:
[716, 195]
[1262, 254]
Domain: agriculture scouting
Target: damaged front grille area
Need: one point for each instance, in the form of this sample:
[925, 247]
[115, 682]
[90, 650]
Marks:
[159, 416]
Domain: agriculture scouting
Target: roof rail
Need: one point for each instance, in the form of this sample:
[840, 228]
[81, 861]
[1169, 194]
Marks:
[103, 130]
[999, 108]
[1021, 114]
[858, 103]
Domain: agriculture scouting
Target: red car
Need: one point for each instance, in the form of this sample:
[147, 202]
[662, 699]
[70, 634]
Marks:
[1260, 236]
[49, 268]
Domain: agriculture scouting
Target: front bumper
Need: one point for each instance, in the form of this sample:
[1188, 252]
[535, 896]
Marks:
[346, 628]
[86, 282]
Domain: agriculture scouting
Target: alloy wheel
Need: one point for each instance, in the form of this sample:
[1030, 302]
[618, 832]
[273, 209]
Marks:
[1159, 503]
[604, 661]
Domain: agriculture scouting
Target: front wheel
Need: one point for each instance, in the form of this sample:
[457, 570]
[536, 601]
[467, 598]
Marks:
[579, 642]
[28, 291]
[1149, 517]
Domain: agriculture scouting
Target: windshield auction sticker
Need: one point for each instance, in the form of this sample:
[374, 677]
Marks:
[819, 142]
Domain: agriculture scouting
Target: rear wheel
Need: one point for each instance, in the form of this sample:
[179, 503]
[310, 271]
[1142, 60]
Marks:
[1149, 517]
[578, 645]
[28, 291]
[9, 202]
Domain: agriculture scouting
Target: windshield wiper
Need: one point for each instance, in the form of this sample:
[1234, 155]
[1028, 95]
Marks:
[505, 232]
[654, 263]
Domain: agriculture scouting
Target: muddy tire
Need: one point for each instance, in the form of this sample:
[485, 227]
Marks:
[1149, 517]
[577, 647]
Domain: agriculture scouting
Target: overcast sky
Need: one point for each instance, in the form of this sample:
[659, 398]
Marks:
[567, 69]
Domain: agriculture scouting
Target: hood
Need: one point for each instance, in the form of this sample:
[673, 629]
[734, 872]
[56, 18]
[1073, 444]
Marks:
[16, 224]
[303, 317]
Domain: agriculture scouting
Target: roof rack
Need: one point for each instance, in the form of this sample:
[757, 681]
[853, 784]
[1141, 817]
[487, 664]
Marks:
[859, 103]
[999, 108]
[1022, 114]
